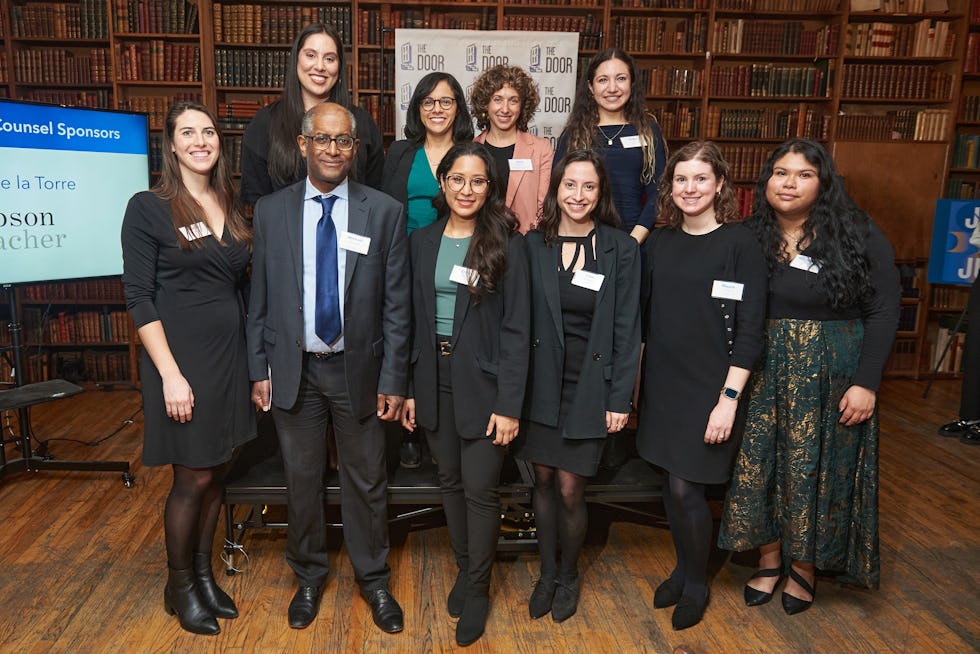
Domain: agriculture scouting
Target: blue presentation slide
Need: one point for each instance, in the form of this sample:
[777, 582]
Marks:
[66, 175]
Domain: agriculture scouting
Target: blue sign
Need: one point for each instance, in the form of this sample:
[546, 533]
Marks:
[42, 127]
[954, 257]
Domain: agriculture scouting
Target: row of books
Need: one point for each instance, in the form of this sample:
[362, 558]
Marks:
[670, 80]
[232, 149]
[590, 33]
[261, 68]
[369, 28]
[975, 11]
[947, 359]
[962, 189]
[155, 16]
[371, 71]
[971, 58]
[383, 111]
[59, 66]
[65, 328]
[156, 152]
[237, 113]
[900, 125]
[770, 80]
[896, 81]
[970, 109]
[740, 36]
[949, 297]
[745, 161]
[157, 60]
[109, 289]
[84, 20]
[908, 316]
[808, 6]
[679, 121]
[252, 23]
[745, 196]
[900, 6]
[95, 99]
[910, 279]
[97, 366]
[966, 151]
[903, 357]
[156, 106]
[661, 35]
[592, 3]
[638, 4]
[768, 123]
[4, 75]
[925, 38]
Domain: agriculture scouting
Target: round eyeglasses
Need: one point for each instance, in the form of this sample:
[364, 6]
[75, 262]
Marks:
[322, 141]
[478, 185]
[446, 103]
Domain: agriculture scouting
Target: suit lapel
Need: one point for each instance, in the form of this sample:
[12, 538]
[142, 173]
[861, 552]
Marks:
[463, 300]
[605, 260]
[523, 149]
[357, 223]
[427, 273]
[548, 270]
[294, 230]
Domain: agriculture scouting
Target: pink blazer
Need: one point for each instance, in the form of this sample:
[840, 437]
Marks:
[526, 188]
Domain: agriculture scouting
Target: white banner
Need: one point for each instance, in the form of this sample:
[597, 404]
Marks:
[550, 58]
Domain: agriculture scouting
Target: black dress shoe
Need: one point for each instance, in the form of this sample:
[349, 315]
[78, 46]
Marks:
[565, 603]
[689, 611]
[955, 429]
[792, 604]
[755, 597]
[542, 596]
[668, 593]
[411, 454]
[971, 436]
[385, 610]
[304, 607]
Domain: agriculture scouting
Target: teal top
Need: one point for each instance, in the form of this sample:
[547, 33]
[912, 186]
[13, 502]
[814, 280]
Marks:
[452, 252]
[422, 187]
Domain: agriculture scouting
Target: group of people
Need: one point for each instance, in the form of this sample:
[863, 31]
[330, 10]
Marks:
[500, 297]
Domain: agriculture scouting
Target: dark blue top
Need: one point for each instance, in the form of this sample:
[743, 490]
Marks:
[635, 201]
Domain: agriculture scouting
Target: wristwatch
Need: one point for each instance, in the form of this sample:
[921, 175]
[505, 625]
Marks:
[731, 393]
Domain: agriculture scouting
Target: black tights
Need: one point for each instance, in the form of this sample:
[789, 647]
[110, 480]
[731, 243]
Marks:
[690, 527]
[563, 522]
[191, 513]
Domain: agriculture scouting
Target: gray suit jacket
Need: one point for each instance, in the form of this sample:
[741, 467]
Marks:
[377, 303]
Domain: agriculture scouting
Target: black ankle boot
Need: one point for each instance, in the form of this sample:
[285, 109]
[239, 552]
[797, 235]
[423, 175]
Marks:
[180, 597]
[217, 600]
[457, 596]
[542, 596]
[473, 621]
[566, 597]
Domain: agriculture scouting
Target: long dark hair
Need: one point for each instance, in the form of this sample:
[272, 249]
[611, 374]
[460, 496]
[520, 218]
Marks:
[284, 161]
[494, 223]
[583, 122]
[462, 124]
[605, 209]
[835, 232]
[726, 204]
[170, 187]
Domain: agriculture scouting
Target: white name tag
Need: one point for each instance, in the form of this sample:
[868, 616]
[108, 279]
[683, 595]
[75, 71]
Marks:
[464, 275]
[355, 242]
[195, 231]
[804, 262]
[520, 164]
[589, 280]
[727, 290]
[631, 141]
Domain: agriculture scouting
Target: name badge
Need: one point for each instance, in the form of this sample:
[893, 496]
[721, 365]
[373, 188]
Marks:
[195, 231]
[727, 290]
[631, 141]
[464, 275]
[355, 242]
[520, 164]
[805, 263]
[589, 280]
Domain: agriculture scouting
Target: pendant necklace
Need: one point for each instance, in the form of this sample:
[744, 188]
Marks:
[609, 139]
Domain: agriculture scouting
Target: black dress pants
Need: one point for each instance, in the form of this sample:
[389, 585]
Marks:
[970, 392]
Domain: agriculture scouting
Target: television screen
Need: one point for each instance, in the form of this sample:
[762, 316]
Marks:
[66, 175]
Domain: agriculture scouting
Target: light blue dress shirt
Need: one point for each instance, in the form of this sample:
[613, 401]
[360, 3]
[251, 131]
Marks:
[312, 212]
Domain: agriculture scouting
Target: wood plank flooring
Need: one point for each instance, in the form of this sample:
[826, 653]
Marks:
[82, 565]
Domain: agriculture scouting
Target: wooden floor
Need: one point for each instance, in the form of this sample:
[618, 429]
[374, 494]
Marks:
[82, 565]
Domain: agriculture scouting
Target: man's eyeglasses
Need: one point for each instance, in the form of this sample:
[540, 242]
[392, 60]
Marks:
[478, 185]
[322, 141]
[446, 103]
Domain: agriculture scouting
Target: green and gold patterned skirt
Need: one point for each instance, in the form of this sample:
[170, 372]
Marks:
[800, 476]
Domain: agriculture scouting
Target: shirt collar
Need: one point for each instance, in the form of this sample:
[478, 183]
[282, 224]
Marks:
[341, 191]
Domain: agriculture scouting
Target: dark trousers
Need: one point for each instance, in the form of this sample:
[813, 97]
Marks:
[469, 474]
[363, 478]
[970, 393]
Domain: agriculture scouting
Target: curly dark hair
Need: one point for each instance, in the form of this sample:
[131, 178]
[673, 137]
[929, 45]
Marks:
[462, 124]
[495, 78]
[605, 209]
[584, 120]
[494, 222]
[726, 204]
[835, 233]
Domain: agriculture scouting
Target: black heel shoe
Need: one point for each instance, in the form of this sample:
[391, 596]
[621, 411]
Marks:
[793, 605]
[756, 597]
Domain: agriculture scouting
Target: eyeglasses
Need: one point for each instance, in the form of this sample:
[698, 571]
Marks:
[446, 103]
[478, 185]
[322, 141]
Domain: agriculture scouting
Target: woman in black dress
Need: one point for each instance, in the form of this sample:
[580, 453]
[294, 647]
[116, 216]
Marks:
[805, 485]
[705, 302]
[470, 342]
[185, 250]
[316, 72]
[585, 349]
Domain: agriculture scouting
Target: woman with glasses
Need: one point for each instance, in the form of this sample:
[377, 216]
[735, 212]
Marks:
[437, 119]
[504, 99]
[609, 116]
[315, 73]
[471, 319]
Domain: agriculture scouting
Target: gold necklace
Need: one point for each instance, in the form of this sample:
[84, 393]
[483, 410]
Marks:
[609, 139]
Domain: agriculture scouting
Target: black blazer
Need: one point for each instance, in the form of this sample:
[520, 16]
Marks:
[398, 163]
[377, 304]
[613, 355]
[490, 340]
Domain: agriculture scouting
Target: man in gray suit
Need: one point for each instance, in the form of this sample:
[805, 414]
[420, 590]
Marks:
[329, 317]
